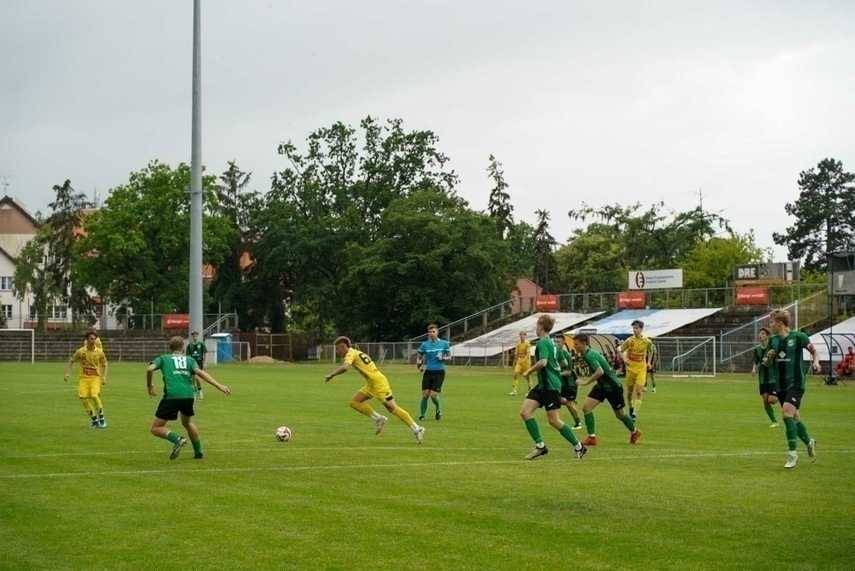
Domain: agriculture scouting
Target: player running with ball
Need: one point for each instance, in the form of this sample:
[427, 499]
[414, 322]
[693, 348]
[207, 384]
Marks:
[376, 386]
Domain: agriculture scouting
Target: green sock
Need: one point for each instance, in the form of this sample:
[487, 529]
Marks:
[423, 406]
[627, 422]
[436, 403]
[589, 422]
[576, 421]
[792, 433]
[173, 437]
[567, 433]
[533, 430]
[771, 412]
[801, 430]
[197, 447]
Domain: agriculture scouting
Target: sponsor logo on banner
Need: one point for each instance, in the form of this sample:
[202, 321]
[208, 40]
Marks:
[547, 303]
[176, 321]
[632, 300]
[752, 296]
[656, 279]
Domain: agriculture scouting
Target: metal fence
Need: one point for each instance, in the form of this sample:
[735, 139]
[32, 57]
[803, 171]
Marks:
[738, 342]
[137, 351]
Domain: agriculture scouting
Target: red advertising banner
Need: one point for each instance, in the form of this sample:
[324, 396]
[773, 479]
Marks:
[176, 321]
[547, 303]
[632, 300]
[752, 296]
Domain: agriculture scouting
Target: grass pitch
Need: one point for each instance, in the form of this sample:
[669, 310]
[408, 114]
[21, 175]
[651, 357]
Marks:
[705, 487]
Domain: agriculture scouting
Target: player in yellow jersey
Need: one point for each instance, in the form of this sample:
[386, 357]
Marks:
[376, 386]
[522, 362]
[639, 359]
[92, 376]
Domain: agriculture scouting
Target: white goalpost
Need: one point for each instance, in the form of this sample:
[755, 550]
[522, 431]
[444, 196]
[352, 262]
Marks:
[686, 356]
[15, 348]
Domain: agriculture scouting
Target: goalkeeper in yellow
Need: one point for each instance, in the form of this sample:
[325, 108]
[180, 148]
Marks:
[376, 386]
[92, 376]
[639, 359]
[522, 362]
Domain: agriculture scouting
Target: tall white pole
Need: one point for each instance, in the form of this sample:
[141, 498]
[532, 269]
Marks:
[196, 317]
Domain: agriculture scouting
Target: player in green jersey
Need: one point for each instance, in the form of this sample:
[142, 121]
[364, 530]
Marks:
[786, 350]
[608, 388]
[199, 352]
[547, 393]
[765, 374]
[177, 369]
[569, 390]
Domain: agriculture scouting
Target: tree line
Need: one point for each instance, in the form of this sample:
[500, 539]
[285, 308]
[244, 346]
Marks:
[363, 233]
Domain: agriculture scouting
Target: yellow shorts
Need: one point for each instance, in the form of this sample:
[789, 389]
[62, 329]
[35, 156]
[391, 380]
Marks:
[89, 387]
[636, 377]
[378, 389]
[522, 366]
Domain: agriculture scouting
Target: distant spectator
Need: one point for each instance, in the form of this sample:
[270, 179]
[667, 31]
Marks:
[846, 368]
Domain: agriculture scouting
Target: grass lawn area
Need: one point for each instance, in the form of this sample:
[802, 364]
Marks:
[704, 489]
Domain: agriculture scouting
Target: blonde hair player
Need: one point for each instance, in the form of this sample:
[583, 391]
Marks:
[376, 386]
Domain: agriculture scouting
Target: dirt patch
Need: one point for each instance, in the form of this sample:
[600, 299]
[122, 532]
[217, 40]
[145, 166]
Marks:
[264, 360]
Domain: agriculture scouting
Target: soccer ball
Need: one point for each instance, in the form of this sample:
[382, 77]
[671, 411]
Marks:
[283, 434]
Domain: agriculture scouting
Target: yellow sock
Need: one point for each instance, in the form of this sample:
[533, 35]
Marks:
[636, 404]
[98, 406]
[404, 415]
[88, 407]
[362, 407]
[516, 384]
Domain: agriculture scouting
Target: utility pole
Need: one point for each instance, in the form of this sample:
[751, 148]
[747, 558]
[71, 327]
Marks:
[196, 316]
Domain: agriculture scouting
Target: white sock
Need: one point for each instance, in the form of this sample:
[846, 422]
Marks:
[376, 416]
[577, 446]
[415, 427]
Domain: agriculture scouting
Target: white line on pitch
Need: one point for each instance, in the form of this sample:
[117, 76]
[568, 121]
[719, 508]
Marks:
[398, 465]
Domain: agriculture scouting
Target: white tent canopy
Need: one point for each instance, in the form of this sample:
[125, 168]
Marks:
[839, 338]
[503, 338]
[657, 322]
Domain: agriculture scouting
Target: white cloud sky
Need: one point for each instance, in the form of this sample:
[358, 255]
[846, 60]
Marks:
[602, 102]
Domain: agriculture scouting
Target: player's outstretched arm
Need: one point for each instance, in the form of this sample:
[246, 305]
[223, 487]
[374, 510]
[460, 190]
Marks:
[343, 369]
[210, 380]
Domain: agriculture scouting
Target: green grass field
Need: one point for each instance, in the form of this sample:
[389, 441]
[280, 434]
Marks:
[705, 487]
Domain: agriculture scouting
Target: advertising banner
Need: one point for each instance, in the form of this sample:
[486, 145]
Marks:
[176, 321]
[547, 303]
[656, 279]
[632, 300]
[752, 296]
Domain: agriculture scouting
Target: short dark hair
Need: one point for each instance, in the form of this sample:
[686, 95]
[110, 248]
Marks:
[195, 333]
[638, 322]
[582, 338]
[558, 336]
[176, 343]
[767, 330]
[433, 326]
[91, 332]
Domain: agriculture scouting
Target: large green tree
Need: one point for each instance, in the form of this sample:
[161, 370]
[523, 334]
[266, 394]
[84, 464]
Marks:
[655, 237]
[433, 260]
[45, 267]
[545, 269]
[327, 204]
[593, 260]
[499, 206]
[229, 289]
[136, 251]
[824, 215]
[710, 263]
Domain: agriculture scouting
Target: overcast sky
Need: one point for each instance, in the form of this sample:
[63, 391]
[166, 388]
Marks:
[598, 101]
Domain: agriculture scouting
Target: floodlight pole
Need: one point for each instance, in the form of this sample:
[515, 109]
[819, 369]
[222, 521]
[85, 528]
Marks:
[196, 318]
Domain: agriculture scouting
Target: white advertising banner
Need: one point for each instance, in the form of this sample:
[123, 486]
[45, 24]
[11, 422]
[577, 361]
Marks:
[655, 279]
